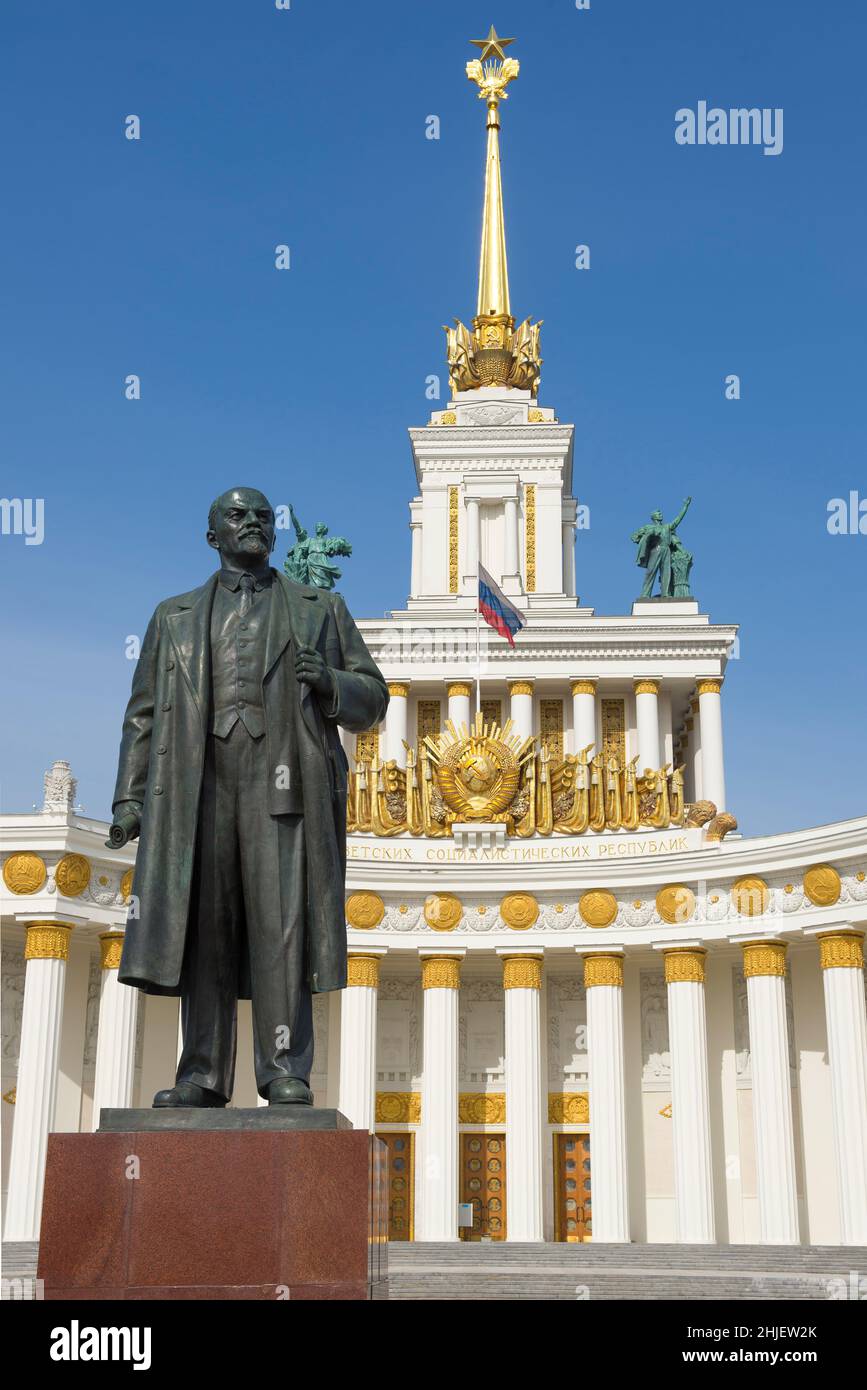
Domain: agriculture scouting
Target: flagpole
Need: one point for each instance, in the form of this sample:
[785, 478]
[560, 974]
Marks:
[478, 647]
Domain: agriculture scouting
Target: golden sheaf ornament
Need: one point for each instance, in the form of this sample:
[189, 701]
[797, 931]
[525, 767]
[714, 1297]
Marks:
[822, 885]
[364, 910]
[24, 873]
[519, 911]
[72, 875]
[598, 907]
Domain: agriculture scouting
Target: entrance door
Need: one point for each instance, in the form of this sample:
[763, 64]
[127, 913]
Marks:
[401, 1184]
[483, 1182]
[572, 1187]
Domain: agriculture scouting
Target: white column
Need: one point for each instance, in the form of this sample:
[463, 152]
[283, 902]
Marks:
[471, 573]
[511, 572]
[395, 722]
[440, 979]
[46, 953]
[522, 984]
[458, 693]
[603, 981]
[695, 749]
[765, 973]
[116, 1032]
[521, 707]
[647, 722]
[713, 777]
[569, 558]
[415, 530]
[583, 715]
[357, 1089]
[842, 960]
[690, 1101]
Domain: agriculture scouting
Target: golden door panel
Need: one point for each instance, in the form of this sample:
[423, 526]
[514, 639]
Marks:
[401, 1184]
[572, 1215]
[483, 1182]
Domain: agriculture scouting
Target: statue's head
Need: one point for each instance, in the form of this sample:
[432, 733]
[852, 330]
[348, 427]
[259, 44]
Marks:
[241, 526]
[321, 528]
[656, 516]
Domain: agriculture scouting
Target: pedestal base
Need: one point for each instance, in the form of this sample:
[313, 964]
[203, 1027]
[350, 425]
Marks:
[213, 1213]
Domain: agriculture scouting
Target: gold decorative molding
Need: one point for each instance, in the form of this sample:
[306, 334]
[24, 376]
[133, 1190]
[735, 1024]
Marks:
[841, 950]
[764, 958]
[448, 417]
[665, 1112]
[111, 947]
[367, 746]
[492, 712]
[822, 885]
[362, 972]
[522, 972]
[364, 910]
[603, 970]
[684, 965]
[534, 416]
[72, 875]
[614, 730]
[568, 1107]
[520, 687]
[519, 910]
[442, 911]
[646, 687]
[10, 1096]
[428, 718]
[751, 896]
[551, 728]
[598, 907]
[453, 540]
[24, 873]
[675, 903]
[694, 705]
[398, 1107]
[126, 885]
[582, 687]
[399, 688]
[709, 687]
[440, 972]
[482, 1108]
[721, 825]
[458, 688]
[47, 941]
[530, 535]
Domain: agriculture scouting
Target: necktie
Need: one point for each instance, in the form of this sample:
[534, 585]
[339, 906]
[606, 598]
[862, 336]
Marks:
[246, 594]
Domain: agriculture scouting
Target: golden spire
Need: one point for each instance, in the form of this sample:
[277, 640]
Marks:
[494, 354]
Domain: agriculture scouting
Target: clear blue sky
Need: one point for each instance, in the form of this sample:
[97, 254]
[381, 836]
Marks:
[307, 127]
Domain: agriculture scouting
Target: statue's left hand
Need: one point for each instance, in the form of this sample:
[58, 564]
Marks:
[310, 667]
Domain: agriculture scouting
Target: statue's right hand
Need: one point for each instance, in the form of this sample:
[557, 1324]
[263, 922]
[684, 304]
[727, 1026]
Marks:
[125, 825]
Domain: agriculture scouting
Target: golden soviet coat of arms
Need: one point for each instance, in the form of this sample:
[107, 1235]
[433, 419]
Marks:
[479, 770]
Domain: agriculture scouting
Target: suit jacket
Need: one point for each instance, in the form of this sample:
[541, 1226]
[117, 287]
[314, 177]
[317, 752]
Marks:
[162, 755]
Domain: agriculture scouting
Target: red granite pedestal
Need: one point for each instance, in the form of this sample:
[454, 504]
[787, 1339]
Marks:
[296, 1214]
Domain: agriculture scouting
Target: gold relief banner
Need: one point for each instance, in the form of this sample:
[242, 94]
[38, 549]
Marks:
[568, 1108]
[453, 540]
[398, 1107]
[492, 712]
[428, 719]
[482, 1108]
[551, 721]
[614, 730]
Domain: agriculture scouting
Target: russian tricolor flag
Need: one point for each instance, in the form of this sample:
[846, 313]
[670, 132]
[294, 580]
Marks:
[496, 609]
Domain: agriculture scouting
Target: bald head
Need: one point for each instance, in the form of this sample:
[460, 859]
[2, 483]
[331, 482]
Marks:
[241, 528]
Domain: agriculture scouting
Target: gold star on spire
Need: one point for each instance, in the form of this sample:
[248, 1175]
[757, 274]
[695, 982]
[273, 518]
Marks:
[493, 44]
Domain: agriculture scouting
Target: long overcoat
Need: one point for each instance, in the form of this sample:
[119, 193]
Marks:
[162, 757]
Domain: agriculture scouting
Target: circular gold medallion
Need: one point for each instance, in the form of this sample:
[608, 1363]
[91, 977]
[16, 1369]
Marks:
[519, 910]
[822, 885]
[72, 875]
[675, 903]
[126, 885]
[364, 910]
[24, 873]
[442, 911]
[598, 907]
[750, 896]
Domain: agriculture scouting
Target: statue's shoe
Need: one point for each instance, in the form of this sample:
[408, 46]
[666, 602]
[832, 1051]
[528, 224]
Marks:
[289, 1090]
[188, 1093]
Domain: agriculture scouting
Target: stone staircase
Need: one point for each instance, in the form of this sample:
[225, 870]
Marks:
[502, 1271]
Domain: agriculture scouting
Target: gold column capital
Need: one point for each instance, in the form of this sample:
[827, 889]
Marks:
[111, 946]
[684, 965]
[604, 969]
[47, 941]
[646, 686]
[522, 972]
[440, 972]
[842, 949]
[709, 685]
[764, 958]
[584, 686]
[458, 688]
[400, 688]
[362, 971]
[520, 687]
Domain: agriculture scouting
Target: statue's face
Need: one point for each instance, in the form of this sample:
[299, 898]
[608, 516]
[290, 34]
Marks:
[656, 516]
[243, 527]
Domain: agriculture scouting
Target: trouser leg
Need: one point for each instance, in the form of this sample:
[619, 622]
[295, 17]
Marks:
[209, 983]
[273, 865]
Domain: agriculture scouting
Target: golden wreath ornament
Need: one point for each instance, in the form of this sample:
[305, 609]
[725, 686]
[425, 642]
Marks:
[478, 771]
